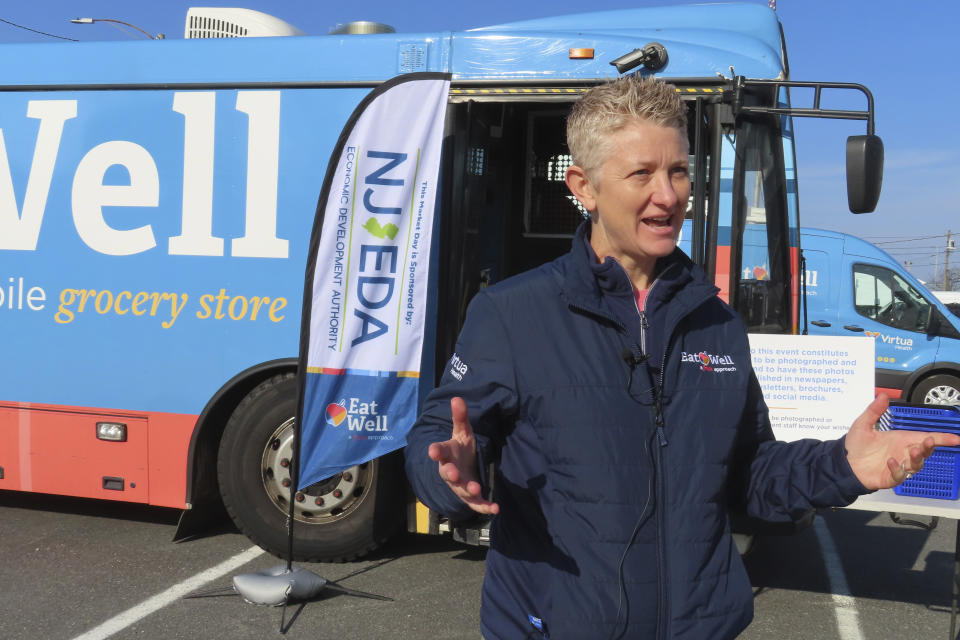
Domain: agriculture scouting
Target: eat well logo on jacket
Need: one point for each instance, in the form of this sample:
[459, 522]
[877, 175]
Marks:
[709, 361]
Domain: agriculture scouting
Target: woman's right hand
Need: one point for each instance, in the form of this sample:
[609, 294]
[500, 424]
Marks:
[457, 461]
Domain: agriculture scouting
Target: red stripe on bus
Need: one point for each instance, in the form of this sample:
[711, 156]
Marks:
[722, 277]
[54, 449]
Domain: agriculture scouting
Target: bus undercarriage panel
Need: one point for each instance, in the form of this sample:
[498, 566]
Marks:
[56, 450]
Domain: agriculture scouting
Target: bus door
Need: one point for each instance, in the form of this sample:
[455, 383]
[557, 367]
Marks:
[471, 215]
[505, 207]
[760, 269]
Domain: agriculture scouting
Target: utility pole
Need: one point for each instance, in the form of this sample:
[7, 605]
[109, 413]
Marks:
[946, 262]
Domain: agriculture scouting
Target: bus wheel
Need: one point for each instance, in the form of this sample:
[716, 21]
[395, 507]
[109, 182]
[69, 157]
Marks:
[938, 389]
[339, 519]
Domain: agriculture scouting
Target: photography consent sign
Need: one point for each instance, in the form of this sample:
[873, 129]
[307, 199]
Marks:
[815, 386]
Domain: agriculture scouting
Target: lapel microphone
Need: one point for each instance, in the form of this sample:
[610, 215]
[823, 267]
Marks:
[631, 359]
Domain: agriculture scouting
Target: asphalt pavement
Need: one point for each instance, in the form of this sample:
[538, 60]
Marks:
[86, 570]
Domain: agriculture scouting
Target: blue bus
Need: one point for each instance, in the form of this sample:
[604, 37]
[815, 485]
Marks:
[156, 201]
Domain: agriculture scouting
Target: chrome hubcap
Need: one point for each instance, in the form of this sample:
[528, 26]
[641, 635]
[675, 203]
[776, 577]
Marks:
[325, 501]
[942, 394]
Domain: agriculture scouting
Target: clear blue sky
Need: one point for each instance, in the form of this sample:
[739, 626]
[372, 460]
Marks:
[904, 52]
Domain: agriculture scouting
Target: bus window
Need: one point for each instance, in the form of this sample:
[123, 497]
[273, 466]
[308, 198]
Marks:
[549, 208]
[759, 264]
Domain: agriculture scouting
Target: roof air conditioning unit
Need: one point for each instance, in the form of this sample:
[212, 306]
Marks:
[222, 22]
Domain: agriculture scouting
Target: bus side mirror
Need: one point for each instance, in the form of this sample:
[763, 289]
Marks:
[864, 172]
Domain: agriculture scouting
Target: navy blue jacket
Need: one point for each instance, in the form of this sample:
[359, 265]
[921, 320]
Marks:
[621, 439]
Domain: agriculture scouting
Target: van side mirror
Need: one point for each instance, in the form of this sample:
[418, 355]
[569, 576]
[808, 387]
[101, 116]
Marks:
[864, 172]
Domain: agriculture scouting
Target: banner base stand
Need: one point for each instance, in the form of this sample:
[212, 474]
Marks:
[280, 586]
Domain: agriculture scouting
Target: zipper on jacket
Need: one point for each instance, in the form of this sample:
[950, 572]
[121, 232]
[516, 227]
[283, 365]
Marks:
[644, 325]
[657, 393]
[644, 322]
[662, 621]
[662, 613]
[658, 397]
[658, 417]
[662, 610]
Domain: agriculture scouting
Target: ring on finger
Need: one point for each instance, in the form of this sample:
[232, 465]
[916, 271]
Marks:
[903, 469]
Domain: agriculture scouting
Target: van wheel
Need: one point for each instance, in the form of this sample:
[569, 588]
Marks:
[939, 389]
[338, 519]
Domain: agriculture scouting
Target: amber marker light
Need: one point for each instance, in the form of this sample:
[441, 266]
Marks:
[581, 53]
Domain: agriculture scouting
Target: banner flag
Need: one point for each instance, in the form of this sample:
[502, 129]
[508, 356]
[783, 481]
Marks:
[366, 284]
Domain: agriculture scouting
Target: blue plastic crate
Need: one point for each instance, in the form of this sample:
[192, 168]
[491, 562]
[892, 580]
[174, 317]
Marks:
[923, 417]
[940, 476]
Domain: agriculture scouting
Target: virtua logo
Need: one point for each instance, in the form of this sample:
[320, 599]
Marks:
[894, 340]
[458, 368]
[709, 361]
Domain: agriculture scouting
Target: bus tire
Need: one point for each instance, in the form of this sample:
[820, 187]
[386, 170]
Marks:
[938, 389]
[339, 519]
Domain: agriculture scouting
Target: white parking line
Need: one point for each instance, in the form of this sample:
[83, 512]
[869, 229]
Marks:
[845, 606]
[150, 605]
